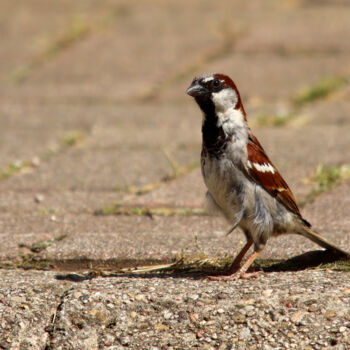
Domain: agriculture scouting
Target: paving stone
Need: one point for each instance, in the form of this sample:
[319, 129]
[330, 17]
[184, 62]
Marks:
[116, 148]
[146, 311]
[328, 216]
[150, 312]
[132, 239]
[15, 245]
[268, 77]
[326, 147]
[291, 43]
[121, 238]
[128, 38]
[187, 191]
[163, 238]
[286, 147]
[29, 131]
[137, 238]
[53, 202]
[28, 304]
[28, 37]
[24, 32]
[95, 169]
[282, 76]
[329, 213]
[329, 112]
[301, 29]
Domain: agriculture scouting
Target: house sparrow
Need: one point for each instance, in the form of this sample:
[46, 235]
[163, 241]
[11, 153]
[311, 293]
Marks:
[242, 182]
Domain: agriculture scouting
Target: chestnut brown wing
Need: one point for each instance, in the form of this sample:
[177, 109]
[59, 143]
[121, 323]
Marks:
[261, 169]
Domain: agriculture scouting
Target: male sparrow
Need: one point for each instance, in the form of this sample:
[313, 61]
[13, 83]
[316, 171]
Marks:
[242, 182]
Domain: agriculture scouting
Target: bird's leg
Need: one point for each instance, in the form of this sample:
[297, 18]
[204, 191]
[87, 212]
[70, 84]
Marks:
[235, 266]
[238, 259]
[240, 271]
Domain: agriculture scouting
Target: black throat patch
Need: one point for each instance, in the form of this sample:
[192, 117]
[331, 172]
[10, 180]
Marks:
[214, 137]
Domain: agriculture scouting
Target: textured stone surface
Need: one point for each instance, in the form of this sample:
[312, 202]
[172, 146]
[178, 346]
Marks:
[28, 308]
[149, 312]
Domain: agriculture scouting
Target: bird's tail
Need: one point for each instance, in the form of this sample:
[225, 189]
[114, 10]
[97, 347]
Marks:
[315, 237]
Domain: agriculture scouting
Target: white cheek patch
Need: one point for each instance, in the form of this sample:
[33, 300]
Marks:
[229, 118]
[224, 100]
[206, 80]
[263, 168]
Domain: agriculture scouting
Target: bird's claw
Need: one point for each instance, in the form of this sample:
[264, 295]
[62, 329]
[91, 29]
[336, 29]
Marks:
[237, 275]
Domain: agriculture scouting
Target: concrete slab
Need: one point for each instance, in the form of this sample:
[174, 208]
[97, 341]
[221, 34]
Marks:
[187, 191]
[115, 141]
[45, 309]
[131, 66]
[58, 202]
[328, 216]
[278, 77]
[329, 213]
[121, 238]
[287, 148]
[329, 112]
[150, 312]
[41, 129]
[268, 76]
[28, 131]
[23, 32]
[29, 38]
[28, 304]
[301, 29]
[110, 237]
[128, 239]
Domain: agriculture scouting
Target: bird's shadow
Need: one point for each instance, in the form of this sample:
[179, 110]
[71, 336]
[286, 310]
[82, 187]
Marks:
[313, 259]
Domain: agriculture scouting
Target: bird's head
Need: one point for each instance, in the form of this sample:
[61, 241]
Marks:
[215, 92]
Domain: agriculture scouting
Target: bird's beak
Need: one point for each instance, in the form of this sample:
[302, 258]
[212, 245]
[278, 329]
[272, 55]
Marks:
[196, 90]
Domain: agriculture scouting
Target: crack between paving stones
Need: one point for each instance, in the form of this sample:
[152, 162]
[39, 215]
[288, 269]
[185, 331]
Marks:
[81, 265]
[51, 328]
[122, 208]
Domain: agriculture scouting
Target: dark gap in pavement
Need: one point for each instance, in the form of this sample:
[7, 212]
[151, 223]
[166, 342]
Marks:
[81, 269]
[83, 264]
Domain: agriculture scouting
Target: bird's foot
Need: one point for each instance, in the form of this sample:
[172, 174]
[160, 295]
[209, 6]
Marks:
[248, 275]
[235, 276]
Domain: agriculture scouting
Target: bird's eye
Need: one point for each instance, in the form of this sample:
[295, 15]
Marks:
[216, 83]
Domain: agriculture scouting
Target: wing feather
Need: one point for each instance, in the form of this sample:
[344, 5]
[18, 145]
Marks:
[261, 169]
